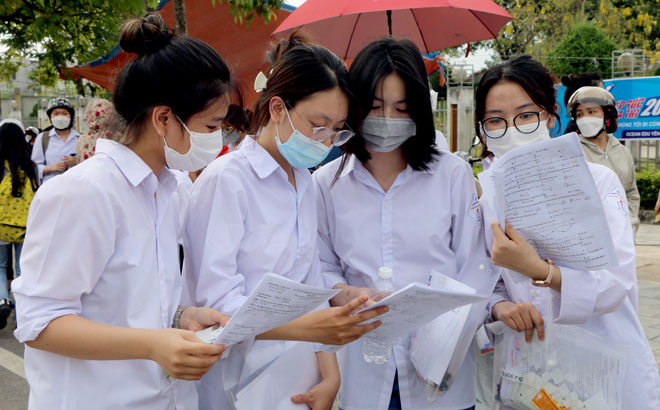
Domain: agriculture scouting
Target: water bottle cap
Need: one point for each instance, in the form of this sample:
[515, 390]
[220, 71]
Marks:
[384, 272]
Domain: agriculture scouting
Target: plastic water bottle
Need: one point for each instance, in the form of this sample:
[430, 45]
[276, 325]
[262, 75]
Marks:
[376, 351]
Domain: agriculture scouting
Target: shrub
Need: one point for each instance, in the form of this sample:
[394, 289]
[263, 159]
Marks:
[648, 184]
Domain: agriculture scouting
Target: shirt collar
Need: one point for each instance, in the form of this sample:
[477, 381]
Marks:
[72, 133]
[129, 163]
[260, 160]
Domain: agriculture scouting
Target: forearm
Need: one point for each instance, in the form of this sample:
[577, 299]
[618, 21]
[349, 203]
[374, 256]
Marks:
[328, 367]
[296, 329]
[80, 338]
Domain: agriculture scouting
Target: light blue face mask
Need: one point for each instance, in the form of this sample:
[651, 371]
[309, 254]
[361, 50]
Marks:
[300, 151]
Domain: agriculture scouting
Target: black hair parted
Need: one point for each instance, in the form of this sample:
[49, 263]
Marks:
[376, 61]
[14, 150]
[535, 78]
[180, 72]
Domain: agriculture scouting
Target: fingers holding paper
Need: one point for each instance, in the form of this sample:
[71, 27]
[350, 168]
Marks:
[511, 251]
[520, 317]
[183, 355]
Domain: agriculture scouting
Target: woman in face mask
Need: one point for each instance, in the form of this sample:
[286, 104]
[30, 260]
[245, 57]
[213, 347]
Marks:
[253, 211]
[594, 110]
[603, 302]
[393, 200]
[54, 150]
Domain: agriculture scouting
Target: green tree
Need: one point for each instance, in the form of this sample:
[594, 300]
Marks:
[244, 11]
[587, 43]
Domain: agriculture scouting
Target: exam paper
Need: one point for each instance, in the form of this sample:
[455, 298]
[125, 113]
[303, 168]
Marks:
[547, 193]
[433, 344]
[415, 305]
[274, 302]
[294, 372]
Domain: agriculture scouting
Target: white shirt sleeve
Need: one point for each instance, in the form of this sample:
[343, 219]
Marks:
[330, 264]
[214, 229]
[69, 240]
[39, 156]
[608, 287]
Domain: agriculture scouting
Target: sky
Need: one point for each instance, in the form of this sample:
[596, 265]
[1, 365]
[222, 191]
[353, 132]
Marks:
[477, 59]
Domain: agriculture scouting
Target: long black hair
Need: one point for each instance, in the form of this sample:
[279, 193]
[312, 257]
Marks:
[378, 60]
[536, 79]
[14, 150]
[180, 72]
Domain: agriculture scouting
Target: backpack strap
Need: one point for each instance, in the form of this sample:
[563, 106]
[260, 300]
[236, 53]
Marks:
[44, 143]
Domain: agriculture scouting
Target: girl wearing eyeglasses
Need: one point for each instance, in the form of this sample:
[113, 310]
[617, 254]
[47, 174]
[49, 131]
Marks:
[515, 106]
[394, 200]
[253, 212]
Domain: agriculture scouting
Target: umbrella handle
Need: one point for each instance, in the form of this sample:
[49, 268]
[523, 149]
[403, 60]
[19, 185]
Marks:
[389, 21]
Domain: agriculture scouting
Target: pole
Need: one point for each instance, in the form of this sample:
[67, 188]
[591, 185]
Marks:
[389, 20]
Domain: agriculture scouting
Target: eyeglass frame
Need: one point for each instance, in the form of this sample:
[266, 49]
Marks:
[513, 120]
[316, 130]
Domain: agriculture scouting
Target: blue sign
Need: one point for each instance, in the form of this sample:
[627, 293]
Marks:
[637, 103]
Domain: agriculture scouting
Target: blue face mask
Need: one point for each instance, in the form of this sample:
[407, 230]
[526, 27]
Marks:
[300, 151]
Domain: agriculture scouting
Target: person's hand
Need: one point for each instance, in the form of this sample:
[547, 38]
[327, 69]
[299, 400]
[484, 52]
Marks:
[657, 205]
[349, 293]
[520, 317]
[320, 396]
[199, 318]
[337, 325]
[511, 251]
[56, 167]
[182, 355]
[69, 161]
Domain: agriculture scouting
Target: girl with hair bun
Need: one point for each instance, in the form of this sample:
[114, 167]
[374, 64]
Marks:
[253, 211]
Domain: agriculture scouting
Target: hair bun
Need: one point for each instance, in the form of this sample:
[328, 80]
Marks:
[277, 50]
[145, 35]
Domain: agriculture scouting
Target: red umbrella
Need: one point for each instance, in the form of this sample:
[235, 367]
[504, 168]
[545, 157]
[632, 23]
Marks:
[346, 26]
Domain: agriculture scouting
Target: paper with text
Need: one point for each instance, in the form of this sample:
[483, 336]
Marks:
[547, 193]
[415, 305]
[273, 302]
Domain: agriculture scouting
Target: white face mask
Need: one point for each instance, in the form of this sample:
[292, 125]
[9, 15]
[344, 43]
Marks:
[590, 127]
[60, 122]
[513, 138]
[204, 148]
[387, 134]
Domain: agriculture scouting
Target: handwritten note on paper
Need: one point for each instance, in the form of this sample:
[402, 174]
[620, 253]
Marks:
[274, 302]
[415, 305]
[548, 194]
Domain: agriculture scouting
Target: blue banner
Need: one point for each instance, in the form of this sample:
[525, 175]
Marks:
[637, 103]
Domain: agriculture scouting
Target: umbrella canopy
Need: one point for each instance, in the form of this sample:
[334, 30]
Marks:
[346, 26]
[243, 48]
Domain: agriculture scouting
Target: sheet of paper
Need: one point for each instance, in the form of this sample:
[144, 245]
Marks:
[547, 193]
[434, 343]
[274, 302]
[570, 363]
[294, 372]
[415, 305]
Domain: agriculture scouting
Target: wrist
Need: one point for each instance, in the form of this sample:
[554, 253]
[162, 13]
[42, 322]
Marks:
[495, 310]
[176, 320]
[539, 270]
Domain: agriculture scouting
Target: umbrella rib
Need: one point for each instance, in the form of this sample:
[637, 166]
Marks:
[483, 24]
[420, 31]
[350, 39]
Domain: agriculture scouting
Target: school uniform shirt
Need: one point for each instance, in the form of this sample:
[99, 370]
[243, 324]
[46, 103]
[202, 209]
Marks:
[603, 302]
[426, 220]
[245, 220]
[618, 158]
[100, 246]
[56, 149]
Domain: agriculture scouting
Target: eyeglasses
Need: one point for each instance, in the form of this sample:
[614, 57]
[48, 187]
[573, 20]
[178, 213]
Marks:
[496, 127]
[320, 134]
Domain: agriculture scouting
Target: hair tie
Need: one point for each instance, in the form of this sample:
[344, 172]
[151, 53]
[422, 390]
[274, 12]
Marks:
[260, 82]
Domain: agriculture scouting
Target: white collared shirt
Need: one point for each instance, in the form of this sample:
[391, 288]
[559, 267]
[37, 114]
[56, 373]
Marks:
[56, 149]
[245, 220]
[603, 302]
[426, 220]
[99, 245]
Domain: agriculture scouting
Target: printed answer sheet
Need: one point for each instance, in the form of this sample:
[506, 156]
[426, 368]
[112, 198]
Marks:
[547, 193]
[415, 305]
[274, 302]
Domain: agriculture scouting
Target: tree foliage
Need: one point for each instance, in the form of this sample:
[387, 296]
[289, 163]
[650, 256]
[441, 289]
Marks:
[591, 49]
[244, 11]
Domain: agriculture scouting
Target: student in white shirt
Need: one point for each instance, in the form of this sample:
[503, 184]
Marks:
[253, 211]
[515, 106]
[394, 200]
[53, 151]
